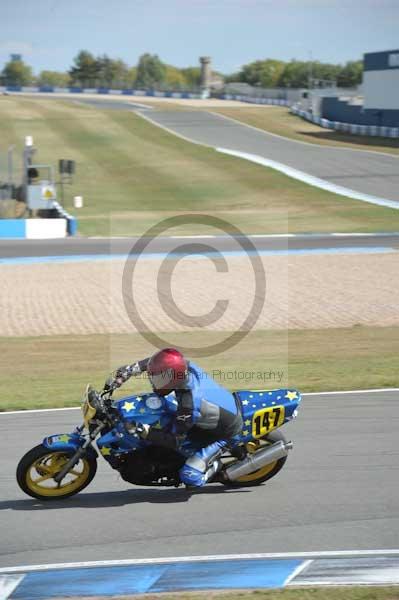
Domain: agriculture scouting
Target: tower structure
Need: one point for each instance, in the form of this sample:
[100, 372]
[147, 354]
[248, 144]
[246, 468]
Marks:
[206, 72]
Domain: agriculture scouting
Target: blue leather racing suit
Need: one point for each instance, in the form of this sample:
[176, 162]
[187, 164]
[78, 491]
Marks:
[207, 417]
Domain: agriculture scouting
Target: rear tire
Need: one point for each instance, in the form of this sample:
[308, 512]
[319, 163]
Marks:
[46, 463]
[266, 472]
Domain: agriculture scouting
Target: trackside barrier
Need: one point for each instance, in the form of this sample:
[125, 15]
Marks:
[59, 227]
[33, 228]
[255, 99]
[72, 222]
[48, 89]
[371, 130]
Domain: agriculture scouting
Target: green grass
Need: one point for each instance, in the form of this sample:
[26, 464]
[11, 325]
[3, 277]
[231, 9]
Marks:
[133, 174]
[280, 121]
[321, 593]
[40, 372]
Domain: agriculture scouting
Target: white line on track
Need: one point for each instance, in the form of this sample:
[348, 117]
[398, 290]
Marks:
[8, 584]
[179, 135]
[44, 410]
[311, 179]
[373, 391]
[289, 171]
[166, 560]
[297, 571]
[288, 139]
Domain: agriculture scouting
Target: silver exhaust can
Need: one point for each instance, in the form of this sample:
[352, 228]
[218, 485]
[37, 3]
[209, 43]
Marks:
[259, 459]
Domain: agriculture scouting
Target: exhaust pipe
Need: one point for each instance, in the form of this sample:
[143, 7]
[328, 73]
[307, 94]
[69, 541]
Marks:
[259, 459]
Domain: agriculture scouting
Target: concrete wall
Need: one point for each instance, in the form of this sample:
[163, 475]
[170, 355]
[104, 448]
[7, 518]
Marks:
[243, 89]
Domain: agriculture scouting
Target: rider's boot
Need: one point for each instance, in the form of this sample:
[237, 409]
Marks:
[203, 465]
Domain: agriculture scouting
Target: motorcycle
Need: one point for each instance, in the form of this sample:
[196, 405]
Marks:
[64, 464]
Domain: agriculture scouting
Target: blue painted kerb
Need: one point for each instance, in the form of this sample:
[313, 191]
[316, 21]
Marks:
[153, 577]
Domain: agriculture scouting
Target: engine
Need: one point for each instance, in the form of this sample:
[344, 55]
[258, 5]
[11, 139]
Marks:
[149, 465]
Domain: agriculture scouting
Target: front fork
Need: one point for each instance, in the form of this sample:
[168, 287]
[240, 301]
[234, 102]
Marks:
[78, 454]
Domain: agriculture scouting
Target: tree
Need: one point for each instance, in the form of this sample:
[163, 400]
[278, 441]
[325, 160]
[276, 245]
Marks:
[295, 74]
[151, 71]
[351, 74]
[53, 78]
[264, 73]
[85, 70]
[110, 72]
[174, 78]
[16, 72]
[130, 77]
[192, 76]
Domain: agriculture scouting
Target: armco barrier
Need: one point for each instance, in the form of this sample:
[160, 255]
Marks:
[371, 130]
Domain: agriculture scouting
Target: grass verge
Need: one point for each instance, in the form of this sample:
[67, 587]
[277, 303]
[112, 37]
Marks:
[132, 174]
[43, 372]
[279, 120]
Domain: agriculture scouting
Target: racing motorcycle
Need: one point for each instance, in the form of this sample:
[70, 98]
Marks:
[64, 464]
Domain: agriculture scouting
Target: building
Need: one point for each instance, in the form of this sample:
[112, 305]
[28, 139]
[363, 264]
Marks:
[379, 100]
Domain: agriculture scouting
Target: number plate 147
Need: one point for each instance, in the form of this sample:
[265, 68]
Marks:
[267, 419]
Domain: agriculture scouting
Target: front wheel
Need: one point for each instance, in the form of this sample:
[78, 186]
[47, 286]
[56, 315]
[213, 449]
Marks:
[266, 472]
[37, 469]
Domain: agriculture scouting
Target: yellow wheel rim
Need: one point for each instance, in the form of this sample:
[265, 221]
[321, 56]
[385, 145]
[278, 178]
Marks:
[252, 447]
[40, 475]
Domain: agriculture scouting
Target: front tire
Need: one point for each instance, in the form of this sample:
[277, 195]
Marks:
[36, 471]
[266, 472]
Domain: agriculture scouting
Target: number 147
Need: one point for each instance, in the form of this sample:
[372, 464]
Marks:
[267, 419]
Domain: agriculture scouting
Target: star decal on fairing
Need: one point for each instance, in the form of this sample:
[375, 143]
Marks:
[128, 406]
[247, 423]
[64, 438]
[291, 395]
[142, 410]
[245, 433]
[245, 402]
[105, 451]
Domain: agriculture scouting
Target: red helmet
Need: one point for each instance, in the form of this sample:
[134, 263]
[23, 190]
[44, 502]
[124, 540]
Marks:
[167, 370]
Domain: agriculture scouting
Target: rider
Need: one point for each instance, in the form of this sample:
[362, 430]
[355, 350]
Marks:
[207, 414]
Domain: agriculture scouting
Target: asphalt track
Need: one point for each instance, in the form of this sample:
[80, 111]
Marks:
[92, 246]
[372, 173]
[338, 491]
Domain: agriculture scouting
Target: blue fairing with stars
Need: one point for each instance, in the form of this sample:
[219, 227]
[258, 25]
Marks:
[262, 410]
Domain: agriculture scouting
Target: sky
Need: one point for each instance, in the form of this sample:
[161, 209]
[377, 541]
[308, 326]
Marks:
[49, 33]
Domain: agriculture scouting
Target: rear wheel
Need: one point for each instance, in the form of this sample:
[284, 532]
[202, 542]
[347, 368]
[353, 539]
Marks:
[37, 469]
[266, 472]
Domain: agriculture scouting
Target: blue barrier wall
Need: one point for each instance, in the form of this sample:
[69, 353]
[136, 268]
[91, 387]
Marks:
[356, 129]
[335, 109]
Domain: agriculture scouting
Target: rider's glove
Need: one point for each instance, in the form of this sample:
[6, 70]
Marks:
[124, 373]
